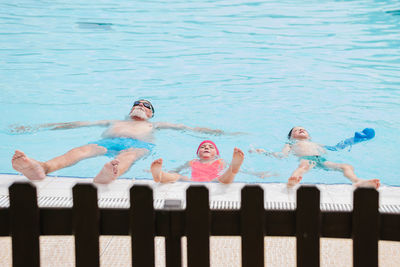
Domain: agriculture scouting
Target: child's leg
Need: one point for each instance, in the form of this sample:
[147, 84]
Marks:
[297, 175]
[162, 177]
[348, 171]
[237, 160]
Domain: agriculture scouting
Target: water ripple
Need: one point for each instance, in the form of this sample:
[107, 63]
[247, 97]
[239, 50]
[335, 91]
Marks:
[259, 66]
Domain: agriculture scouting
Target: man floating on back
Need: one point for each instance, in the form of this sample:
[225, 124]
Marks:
[125, 140]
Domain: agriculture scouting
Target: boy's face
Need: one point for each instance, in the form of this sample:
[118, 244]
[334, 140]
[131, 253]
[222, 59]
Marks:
[207, 151]
[300, 133]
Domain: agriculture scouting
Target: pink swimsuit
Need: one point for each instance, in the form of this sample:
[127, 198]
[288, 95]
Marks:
[205, 172]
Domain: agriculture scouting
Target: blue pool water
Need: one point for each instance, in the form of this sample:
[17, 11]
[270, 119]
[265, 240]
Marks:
[258, 67]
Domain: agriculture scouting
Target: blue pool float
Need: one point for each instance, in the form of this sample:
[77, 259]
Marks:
[364, 135]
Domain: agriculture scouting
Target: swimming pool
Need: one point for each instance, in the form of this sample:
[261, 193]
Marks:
[258, 67]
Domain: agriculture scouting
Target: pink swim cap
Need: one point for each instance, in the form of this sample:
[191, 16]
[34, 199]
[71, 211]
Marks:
[210, 142]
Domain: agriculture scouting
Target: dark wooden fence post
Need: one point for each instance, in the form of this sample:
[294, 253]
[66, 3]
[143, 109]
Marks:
[365, 227]
[198, 227]
[86, 227]
[142, 225]
[308, 228]
[173, 247]
[252, 217]
[24, 221]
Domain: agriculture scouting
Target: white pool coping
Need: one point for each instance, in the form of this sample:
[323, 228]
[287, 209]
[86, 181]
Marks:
[225, 251]
[57, 191]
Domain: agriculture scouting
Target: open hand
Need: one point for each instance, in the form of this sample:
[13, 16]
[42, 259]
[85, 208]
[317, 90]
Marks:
[21, 129]
[258, 150]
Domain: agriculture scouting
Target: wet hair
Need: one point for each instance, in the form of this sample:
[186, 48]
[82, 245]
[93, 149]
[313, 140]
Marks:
[290, 133]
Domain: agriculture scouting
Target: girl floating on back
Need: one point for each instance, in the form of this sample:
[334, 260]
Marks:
[208, 167]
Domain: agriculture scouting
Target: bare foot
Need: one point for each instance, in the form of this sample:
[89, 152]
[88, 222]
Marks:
[237, 160]
[374, 183]
[108, 174]
[28, 167]
[155, 168]
[294, 180]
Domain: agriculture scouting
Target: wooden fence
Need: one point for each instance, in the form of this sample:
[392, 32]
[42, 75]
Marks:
[24, 221]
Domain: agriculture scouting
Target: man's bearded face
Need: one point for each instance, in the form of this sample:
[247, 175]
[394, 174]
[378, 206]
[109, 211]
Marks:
[138, 112]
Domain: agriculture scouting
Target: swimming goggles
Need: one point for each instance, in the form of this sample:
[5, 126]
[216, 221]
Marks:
[145, 104]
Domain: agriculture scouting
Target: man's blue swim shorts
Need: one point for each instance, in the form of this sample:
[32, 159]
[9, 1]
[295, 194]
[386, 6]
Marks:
[116, 145]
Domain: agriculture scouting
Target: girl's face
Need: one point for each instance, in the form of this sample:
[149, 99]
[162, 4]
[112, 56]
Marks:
[207, 151]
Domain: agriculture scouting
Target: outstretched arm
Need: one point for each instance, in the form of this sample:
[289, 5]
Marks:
[167, 125]
[262, 175]
[19, 129]
[283, 154]
[182, 167]
[75, 124]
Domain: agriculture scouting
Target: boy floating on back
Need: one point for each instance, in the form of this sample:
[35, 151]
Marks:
[309, 154]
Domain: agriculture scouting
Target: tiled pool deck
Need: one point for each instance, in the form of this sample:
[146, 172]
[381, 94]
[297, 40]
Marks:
[225, 251]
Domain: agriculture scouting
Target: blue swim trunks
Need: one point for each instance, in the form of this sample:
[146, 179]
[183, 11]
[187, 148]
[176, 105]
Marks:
[319, 161]
[116, 145]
